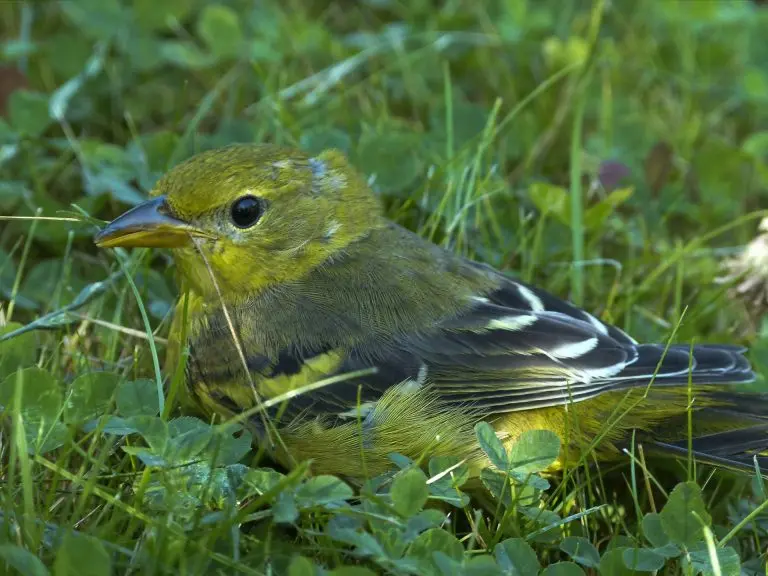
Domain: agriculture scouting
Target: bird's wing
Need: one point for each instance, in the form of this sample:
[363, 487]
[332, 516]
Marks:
[520, 348]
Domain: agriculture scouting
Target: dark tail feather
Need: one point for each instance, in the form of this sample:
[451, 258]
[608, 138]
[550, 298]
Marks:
[730, 427]
[674, 366]
[733, 434]
[743, 456]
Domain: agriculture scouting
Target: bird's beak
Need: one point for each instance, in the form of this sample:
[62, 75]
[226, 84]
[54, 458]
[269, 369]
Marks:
[148, 225]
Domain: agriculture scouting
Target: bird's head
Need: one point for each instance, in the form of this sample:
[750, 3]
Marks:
[253, 216]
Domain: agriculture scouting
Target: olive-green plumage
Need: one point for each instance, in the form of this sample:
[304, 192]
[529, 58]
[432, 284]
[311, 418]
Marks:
[296, 276]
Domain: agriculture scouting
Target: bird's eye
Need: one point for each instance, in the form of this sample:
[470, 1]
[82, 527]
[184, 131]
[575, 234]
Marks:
[246, 211]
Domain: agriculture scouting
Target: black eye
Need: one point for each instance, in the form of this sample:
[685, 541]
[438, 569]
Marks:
[246, 211]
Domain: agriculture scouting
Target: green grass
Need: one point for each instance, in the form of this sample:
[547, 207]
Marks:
[611, 152]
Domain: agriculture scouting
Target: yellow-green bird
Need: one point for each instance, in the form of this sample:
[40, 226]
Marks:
[296, 276]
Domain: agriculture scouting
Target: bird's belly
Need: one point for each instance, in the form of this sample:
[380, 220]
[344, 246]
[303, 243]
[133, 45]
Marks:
[359, 450]
[418, 426]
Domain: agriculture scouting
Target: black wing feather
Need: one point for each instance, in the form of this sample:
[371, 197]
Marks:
[520, 348]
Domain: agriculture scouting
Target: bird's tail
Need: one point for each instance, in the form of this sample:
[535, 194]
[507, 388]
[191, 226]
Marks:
[729, 425]
[678, 365]
[732, 432]
[741, 450]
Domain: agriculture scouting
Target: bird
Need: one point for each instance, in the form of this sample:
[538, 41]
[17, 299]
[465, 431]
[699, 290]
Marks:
[352, 337]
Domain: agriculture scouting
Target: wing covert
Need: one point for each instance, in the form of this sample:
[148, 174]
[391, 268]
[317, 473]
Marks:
[516, 348]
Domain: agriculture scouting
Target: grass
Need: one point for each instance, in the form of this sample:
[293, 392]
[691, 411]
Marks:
[612, 153]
